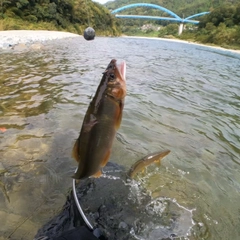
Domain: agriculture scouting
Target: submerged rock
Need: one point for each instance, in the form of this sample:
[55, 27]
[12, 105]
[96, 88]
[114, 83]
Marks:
[122, 209]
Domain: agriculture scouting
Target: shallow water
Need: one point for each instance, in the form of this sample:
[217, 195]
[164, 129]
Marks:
[181, 97]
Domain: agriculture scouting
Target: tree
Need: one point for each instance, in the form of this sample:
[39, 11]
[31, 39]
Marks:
[236, 17]
[3, 6]
[21, 3]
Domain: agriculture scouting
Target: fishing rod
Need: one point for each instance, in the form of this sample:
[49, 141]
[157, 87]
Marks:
[79, 206]
[96, 231]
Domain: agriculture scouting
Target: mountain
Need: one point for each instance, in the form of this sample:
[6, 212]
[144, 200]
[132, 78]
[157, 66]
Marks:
[183, 8]
[221, 26]
[69, 15]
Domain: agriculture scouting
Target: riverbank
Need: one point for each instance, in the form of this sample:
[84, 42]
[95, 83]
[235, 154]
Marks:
[11, 38]
[187, 42]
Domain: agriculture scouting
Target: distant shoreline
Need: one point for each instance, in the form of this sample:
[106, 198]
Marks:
[187, 42]
[9, 38]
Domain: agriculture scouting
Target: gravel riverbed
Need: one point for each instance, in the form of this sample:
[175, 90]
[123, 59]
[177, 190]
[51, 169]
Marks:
[11, 38]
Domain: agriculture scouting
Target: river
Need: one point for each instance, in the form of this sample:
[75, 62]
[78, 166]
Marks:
[180, 96]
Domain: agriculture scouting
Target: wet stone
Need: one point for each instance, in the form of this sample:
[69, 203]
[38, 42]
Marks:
[2, 169]
[111, 207]
[122, 225]
[36, 46]
[20, 47]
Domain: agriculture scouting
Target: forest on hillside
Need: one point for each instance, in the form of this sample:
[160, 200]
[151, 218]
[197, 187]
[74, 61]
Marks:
[183, 8]
[220, 27]
[68, 15]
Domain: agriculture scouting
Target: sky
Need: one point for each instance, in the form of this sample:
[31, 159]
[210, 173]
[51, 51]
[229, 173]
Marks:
[101, 1]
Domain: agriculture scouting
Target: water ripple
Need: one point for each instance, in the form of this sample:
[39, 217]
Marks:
[181, 97]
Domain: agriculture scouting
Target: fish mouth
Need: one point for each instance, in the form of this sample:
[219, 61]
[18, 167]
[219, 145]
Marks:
[122, 69]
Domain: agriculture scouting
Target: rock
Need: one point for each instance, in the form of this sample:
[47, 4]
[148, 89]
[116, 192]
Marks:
[89, 33]
[36, 46]
[2, 169]
[6, 45]
[122, 209]
[20, 47]
[122, 225]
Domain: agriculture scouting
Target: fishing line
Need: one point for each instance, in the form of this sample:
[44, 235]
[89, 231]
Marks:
[87, 12]
[79, 206]
[89, 32]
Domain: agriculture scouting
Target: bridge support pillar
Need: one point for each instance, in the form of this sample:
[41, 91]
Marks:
[180, 29]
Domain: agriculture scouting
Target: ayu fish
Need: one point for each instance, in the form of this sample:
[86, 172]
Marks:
[147, 160]
[102, 119]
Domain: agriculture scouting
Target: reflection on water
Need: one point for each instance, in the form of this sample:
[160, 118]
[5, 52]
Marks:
[181, 97]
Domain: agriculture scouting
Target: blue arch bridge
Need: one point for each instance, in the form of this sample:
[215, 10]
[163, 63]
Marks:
[174, 17]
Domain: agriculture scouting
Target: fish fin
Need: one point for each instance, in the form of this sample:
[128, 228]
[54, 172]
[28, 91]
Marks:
[105, 160]
[75, 151]
[97, 174]
[122, 69]
[75, 176]
[158, 162]
[161, 156]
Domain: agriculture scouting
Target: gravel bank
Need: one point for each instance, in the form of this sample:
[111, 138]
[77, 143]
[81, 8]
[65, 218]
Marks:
[187, 42]
[14, 37]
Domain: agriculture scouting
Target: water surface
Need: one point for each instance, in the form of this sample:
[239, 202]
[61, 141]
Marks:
[181, 97]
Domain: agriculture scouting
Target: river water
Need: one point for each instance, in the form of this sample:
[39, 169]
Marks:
[180, 96]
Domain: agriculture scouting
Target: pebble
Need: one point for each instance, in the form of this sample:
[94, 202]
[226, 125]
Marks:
[122, 225]
[20, 47]
[2, 169]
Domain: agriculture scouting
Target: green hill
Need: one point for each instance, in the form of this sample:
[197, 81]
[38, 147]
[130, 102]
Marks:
[180, 7]
[66, 15]
[220, 27]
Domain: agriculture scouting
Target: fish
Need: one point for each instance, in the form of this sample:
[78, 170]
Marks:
[147, 160]
[103, 118]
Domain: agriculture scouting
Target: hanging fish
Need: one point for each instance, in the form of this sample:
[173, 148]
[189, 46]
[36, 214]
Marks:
[102, 119]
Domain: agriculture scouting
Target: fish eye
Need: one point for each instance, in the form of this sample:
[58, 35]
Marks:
[112, 76]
